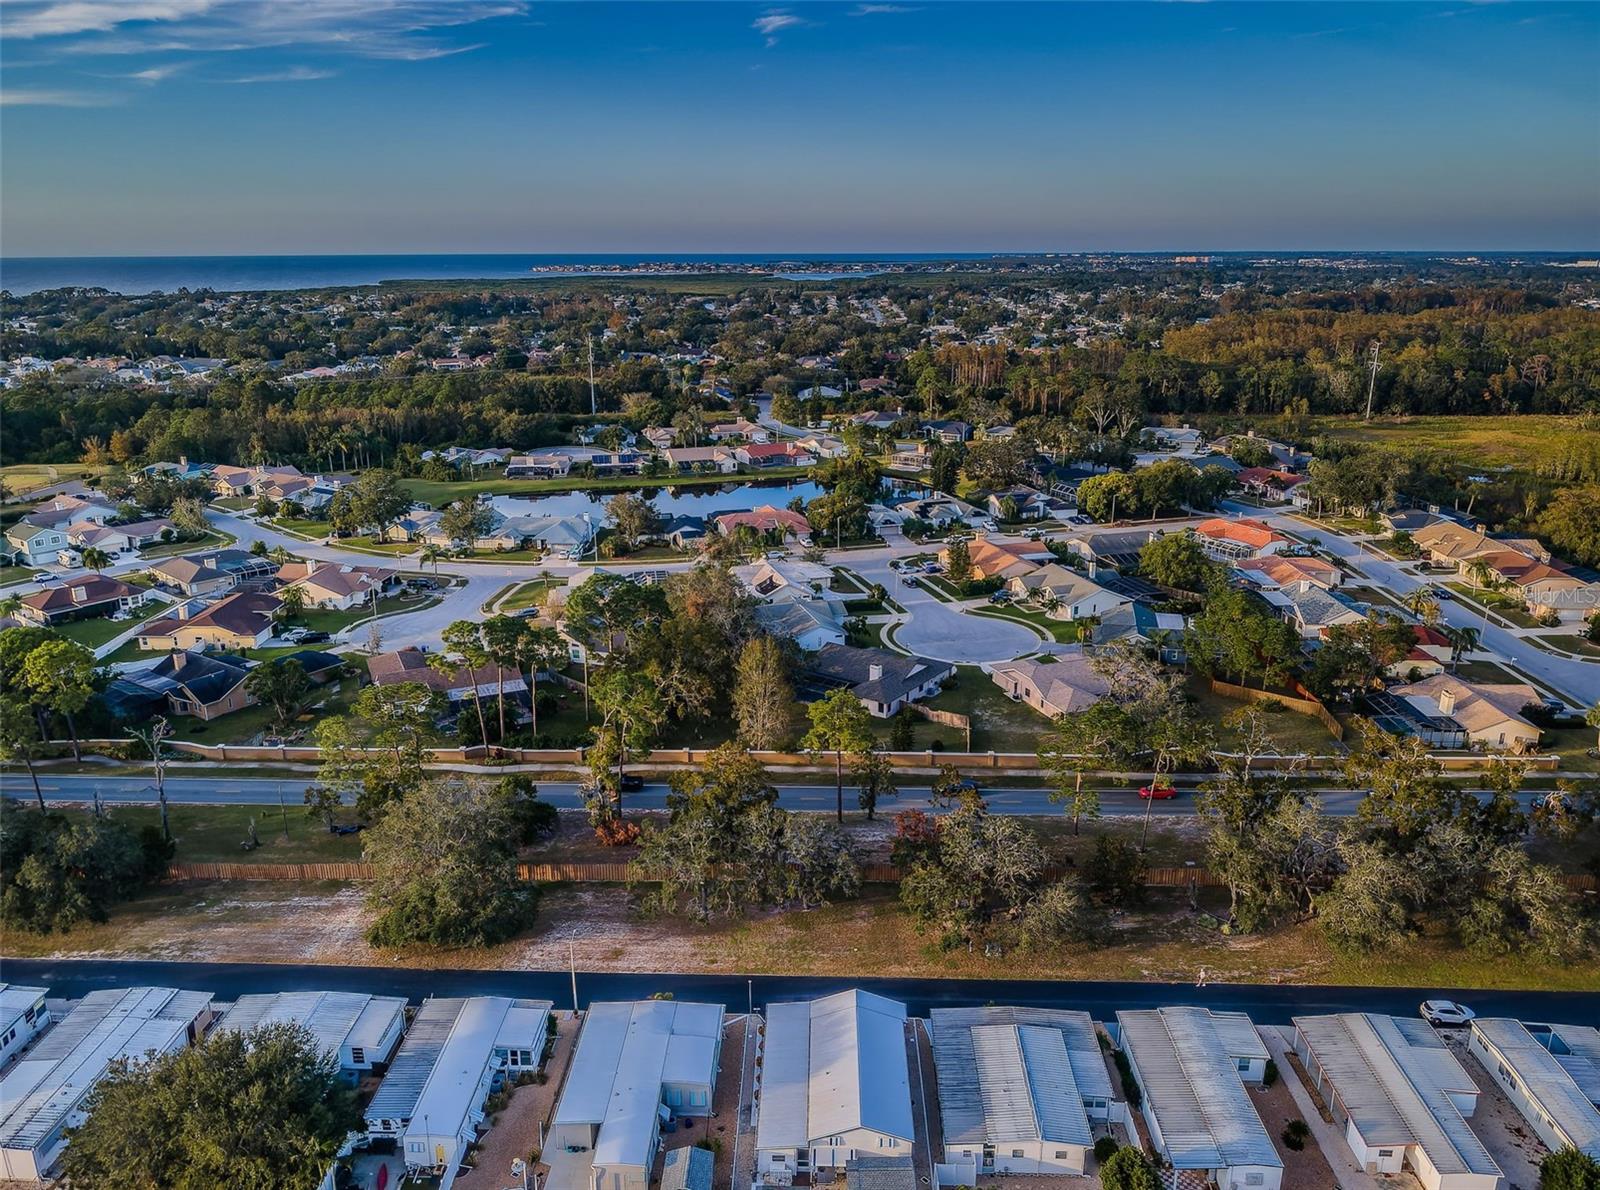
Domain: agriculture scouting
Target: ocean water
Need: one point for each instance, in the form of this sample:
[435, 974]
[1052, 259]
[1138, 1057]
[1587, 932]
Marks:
[166, 274]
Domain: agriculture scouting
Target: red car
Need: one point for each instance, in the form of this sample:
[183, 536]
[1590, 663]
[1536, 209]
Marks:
[1157, 793]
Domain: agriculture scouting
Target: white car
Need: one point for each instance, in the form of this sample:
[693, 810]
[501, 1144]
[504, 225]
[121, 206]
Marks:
[1445, 1013]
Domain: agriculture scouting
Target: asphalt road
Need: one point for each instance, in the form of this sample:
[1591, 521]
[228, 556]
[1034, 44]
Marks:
[1267, 1004]
[223, 790]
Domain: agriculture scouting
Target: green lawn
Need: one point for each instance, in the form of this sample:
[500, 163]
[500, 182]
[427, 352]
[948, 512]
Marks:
[245, 726]
[440, 494]
[10, 576]
[215, 539]
[1291, 732]
[1573, 643]
[310, 530]
[212, 834]
[528, 594]
[1506, 607]
[91, 634]
[21, 478]
[998, 723]
[234, 503]
[368, 544]
[319, 620]
[1065, 632]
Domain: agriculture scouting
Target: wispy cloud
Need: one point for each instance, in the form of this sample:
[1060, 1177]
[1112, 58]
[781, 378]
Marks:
[770, 24]
[154, 74]
[404, 30]
[295, 74]
[48, 97]
[873, 10]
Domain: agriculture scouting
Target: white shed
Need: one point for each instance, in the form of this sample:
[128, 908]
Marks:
[1020, 1089]
[1399, 1095]
[1192, 1065]
[1551, 1073]
[835, 1084]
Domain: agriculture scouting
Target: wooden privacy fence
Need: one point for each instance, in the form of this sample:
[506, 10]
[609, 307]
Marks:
[1302, 702]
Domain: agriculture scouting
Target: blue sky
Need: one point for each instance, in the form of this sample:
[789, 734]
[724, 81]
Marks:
[134, 127]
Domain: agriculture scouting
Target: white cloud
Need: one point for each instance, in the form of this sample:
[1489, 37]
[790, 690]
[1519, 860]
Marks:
[46, 97]
[873, 10]
[771, 24]
[155, 74]
[406, 30]
[295, 74]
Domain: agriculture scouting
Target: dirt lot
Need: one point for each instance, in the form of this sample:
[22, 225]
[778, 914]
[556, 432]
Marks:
[1497, 1123]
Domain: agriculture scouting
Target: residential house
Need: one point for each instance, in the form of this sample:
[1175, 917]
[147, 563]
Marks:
[937, 512]
[1491, 713]
[684, 532]
[34, 545]
[1234, 540]
[1288, 570]
[1062, 684]
[80, 599]
[1551, 1074]
[948, 431]
[1067, 593]
[1020, 1089]
[86, 535]
[416, 525]
[764, 520]
[660, 437]
[23, 1016]
[835, 1085]
[67, 509]
[464, 1050]
[214, 572]
[820, 392]
[717, 459]
[203, 685]
[1001, 560]
[637, 1066]
[241, 621]
[589, 435]
[823, 447]
[913, 457]
[1192, 1065]
[784, 579]
[338, 586]
[1427, 657]
[1027, 503]
[1313, 609]
[738, 430]
[773, 454]
[1573, 594]
[811, 624]
[885, 681]
[230, 481]
[459, 687]
[42, 1095]
[1269, 483]
[556, 461]
[1144, 625]
[358, 1030]
[1399, 1096]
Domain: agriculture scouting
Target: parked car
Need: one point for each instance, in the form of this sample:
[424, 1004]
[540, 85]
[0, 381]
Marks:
[1446, 1013]
[631, 783]
[43, 577]
[294, 636]
[1000, 597]
[310, 637]
[1157, 793]
[1441, 593]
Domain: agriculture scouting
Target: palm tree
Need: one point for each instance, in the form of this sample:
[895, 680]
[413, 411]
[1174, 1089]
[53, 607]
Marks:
[1423, 605]
[432, 553]
[96, 559]
[1462, 642]
[1481, 574]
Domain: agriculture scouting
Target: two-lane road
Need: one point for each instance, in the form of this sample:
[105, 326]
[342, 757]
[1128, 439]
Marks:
[222, 790]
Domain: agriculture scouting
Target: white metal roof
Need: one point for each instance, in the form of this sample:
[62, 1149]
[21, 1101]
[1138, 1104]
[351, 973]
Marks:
[449, 1095]
[833, 1065]
[626, 1052]
[15, 1000]
[1393, 1076]
[39, 1092]
[1022, 1085]
[1566, 1086]
[334, 1019]
[414, 1060]
[1191, 1085]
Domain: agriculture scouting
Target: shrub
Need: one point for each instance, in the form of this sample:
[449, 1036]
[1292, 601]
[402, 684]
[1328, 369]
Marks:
[1295, 1133]
[1270, 1074]
[1103, 1148]
[1130, 1085]
[616, 832]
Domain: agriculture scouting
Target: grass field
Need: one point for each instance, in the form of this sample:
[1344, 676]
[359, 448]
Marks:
[1515, 441]
[440, 494]
[1064, 632]
[21, 478]
[213, 540]
[91, 634]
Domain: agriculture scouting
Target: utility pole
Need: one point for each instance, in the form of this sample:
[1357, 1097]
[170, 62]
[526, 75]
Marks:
[593, 404]
[1372, 374]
